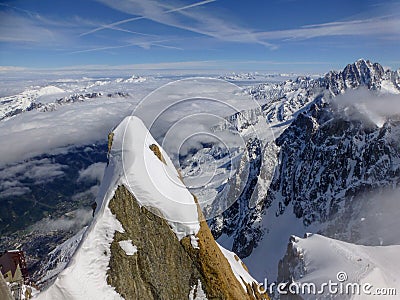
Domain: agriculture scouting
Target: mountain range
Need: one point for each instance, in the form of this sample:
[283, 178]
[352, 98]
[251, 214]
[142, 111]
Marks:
[331, 156]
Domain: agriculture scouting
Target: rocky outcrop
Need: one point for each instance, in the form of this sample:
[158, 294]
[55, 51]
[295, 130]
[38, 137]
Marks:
[161, 268]
[164, 267]
[232, 207]
[292, 264]
[157, 152]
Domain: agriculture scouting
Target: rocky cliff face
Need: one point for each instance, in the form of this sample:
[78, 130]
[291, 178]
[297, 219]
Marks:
[235, 214]
[324, 157]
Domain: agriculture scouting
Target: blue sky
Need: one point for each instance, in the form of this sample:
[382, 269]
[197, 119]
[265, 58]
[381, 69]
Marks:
[252, 35]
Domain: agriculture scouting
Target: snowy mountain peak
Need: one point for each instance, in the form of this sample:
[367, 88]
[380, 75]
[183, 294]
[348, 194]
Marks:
[129, 251]
[153, 182]
[362, 72]
[135, 79]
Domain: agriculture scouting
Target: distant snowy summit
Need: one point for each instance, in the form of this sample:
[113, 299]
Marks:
[49, 90]
[50, 97]
[238, 77]
[281, 102]
[361, 73]
[15, 104]
[148, 239]
[258, 77]
[25, 101]
[132, 79]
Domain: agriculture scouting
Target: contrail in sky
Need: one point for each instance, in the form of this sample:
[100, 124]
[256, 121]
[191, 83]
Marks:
[111, 26]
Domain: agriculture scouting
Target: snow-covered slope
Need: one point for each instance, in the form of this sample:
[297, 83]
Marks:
[317, 259]
[238, 267]
[12, 105]
[153, 183]
[58, 259]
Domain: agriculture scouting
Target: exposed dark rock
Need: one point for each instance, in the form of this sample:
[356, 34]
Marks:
[164, 267]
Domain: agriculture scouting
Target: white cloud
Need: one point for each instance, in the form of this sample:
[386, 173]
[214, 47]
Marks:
[25, 28]
[151, 9]
[366, 104]
[74, 220]
[38, 171]
[376, 218]
[195, 19]
[93, 172]
[11, 68]
[191, 101]
[144, 43]
[92, 193]
[43, 173]
[35, 132]
[379, 26]
[15, 28]
[181, 114]
[14, 191]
